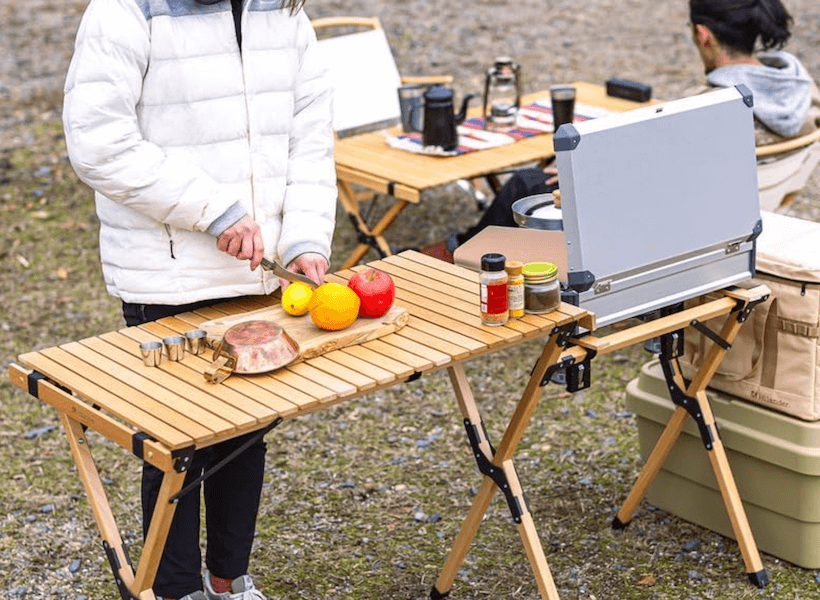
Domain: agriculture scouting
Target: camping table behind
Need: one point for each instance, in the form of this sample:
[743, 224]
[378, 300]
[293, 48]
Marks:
[163, 414]
[367, 160]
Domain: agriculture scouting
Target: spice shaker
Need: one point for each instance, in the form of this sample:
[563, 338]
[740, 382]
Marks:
[515, 288]
[493, 286]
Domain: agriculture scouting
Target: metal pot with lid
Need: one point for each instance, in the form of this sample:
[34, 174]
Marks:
[541, 211]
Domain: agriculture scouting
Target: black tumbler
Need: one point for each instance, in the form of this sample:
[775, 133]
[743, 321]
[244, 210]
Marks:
[563, 104]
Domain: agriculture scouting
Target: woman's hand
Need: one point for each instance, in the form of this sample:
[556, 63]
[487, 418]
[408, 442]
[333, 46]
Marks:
[310, 264]
[243, 240]
[551, 171]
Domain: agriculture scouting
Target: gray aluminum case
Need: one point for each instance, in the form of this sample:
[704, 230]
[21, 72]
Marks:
[660, 204]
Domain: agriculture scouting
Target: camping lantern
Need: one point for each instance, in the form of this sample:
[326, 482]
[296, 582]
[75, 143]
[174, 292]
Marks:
[502, 93]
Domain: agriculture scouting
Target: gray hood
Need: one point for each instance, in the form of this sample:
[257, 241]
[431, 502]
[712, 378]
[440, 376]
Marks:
[781, 87]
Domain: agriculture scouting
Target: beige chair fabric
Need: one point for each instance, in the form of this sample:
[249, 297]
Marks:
[363, 73]
[784, 168]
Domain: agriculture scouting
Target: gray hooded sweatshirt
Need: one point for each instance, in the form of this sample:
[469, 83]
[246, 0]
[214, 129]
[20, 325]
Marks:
[782, 90]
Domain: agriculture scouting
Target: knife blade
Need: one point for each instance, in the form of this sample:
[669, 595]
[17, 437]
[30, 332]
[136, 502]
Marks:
[272, 265]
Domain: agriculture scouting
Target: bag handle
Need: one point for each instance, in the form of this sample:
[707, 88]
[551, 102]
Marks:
[771, 349]
[765, 345]
[221, 366]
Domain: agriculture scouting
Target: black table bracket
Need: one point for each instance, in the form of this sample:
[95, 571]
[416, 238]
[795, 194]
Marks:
[486, 467]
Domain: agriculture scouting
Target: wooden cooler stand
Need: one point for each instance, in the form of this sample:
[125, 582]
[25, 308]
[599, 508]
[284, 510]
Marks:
[93, 402]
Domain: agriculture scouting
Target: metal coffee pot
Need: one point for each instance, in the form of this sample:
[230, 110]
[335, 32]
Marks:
[440, 119]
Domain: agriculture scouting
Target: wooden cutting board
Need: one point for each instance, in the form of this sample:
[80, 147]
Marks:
[312, 340]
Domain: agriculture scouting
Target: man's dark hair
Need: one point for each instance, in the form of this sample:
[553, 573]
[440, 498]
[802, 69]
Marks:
[738, 24]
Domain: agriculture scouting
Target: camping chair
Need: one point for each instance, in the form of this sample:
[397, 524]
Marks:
[779, 179]
[365, 98]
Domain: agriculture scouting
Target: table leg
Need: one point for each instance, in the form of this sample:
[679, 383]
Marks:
[663, 447]
[694, 401]
[499, 472]
[158, 529]
[369, 237]
[129, 585]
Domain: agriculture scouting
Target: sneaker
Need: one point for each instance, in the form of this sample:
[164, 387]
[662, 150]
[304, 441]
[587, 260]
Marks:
[197, 595]
[242, 588]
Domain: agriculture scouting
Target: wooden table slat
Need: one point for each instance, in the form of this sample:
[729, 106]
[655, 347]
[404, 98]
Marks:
[397, 272]
[118, 377]
[295, 380]
[318, 392]
[116, 406]
[188, 383]
[433, 274]
[309, 371]
[415, 361]
[435, 263]
[444, 334]
[383, 361]
[415, 346]
[469, 325]
[523, 327]
[447, 348]
[192, 369]
[351, 376]
[441, 296]
[379, 375]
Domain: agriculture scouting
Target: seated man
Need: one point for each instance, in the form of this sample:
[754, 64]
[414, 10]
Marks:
[725, 32]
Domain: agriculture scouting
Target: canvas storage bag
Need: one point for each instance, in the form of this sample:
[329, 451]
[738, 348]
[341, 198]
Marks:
[774, 360]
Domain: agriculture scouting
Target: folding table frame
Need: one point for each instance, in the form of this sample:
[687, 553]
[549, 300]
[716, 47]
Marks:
[564, 349]
[162, 415]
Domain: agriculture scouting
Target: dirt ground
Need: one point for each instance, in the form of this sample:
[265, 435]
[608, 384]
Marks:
[50, 550]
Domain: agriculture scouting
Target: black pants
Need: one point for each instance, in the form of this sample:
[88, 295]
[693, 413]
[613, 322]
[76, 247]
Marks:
[522, 183]
[231, 500]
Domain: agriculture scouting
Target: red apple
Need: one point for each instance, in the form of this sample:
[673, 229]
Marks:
[375, 289]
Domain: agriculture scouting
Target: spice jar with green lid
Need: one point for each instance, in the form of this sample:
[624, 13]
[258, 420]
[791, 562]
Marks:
[542, 292]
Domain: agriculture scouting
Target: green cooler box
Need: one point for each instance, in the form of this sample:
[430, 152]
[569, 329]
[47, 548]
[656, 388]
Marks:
[775, 460]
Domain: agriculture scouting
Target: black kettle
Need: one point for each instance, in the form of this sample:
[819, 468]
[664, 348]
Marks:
[440, 120]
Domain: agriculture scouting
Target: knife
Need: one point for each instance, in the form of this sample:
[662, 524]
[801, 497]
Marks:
[272, 265]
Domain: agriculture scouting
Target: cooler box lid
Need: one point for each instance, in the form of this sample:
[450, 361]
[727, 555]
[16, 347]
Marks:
[789, 247]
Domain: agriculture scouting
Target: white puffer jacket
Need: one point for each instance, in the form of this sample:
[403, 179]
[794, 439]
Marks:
[173, 126]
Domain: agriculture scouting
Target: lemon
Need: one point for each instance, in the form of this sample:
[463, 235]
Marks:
[296, 299]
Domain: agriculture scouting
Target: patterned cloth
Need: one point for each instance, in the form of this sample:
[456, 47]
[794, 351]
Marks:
[532, 119]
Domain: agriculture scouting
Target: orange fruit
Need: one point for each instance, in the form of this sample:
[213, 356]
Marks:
[333, 306]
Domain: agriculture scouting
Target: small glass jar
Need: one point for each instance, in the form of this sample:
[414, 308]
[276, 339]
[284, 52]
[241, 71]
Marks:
[493, 286]
[542, 290]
